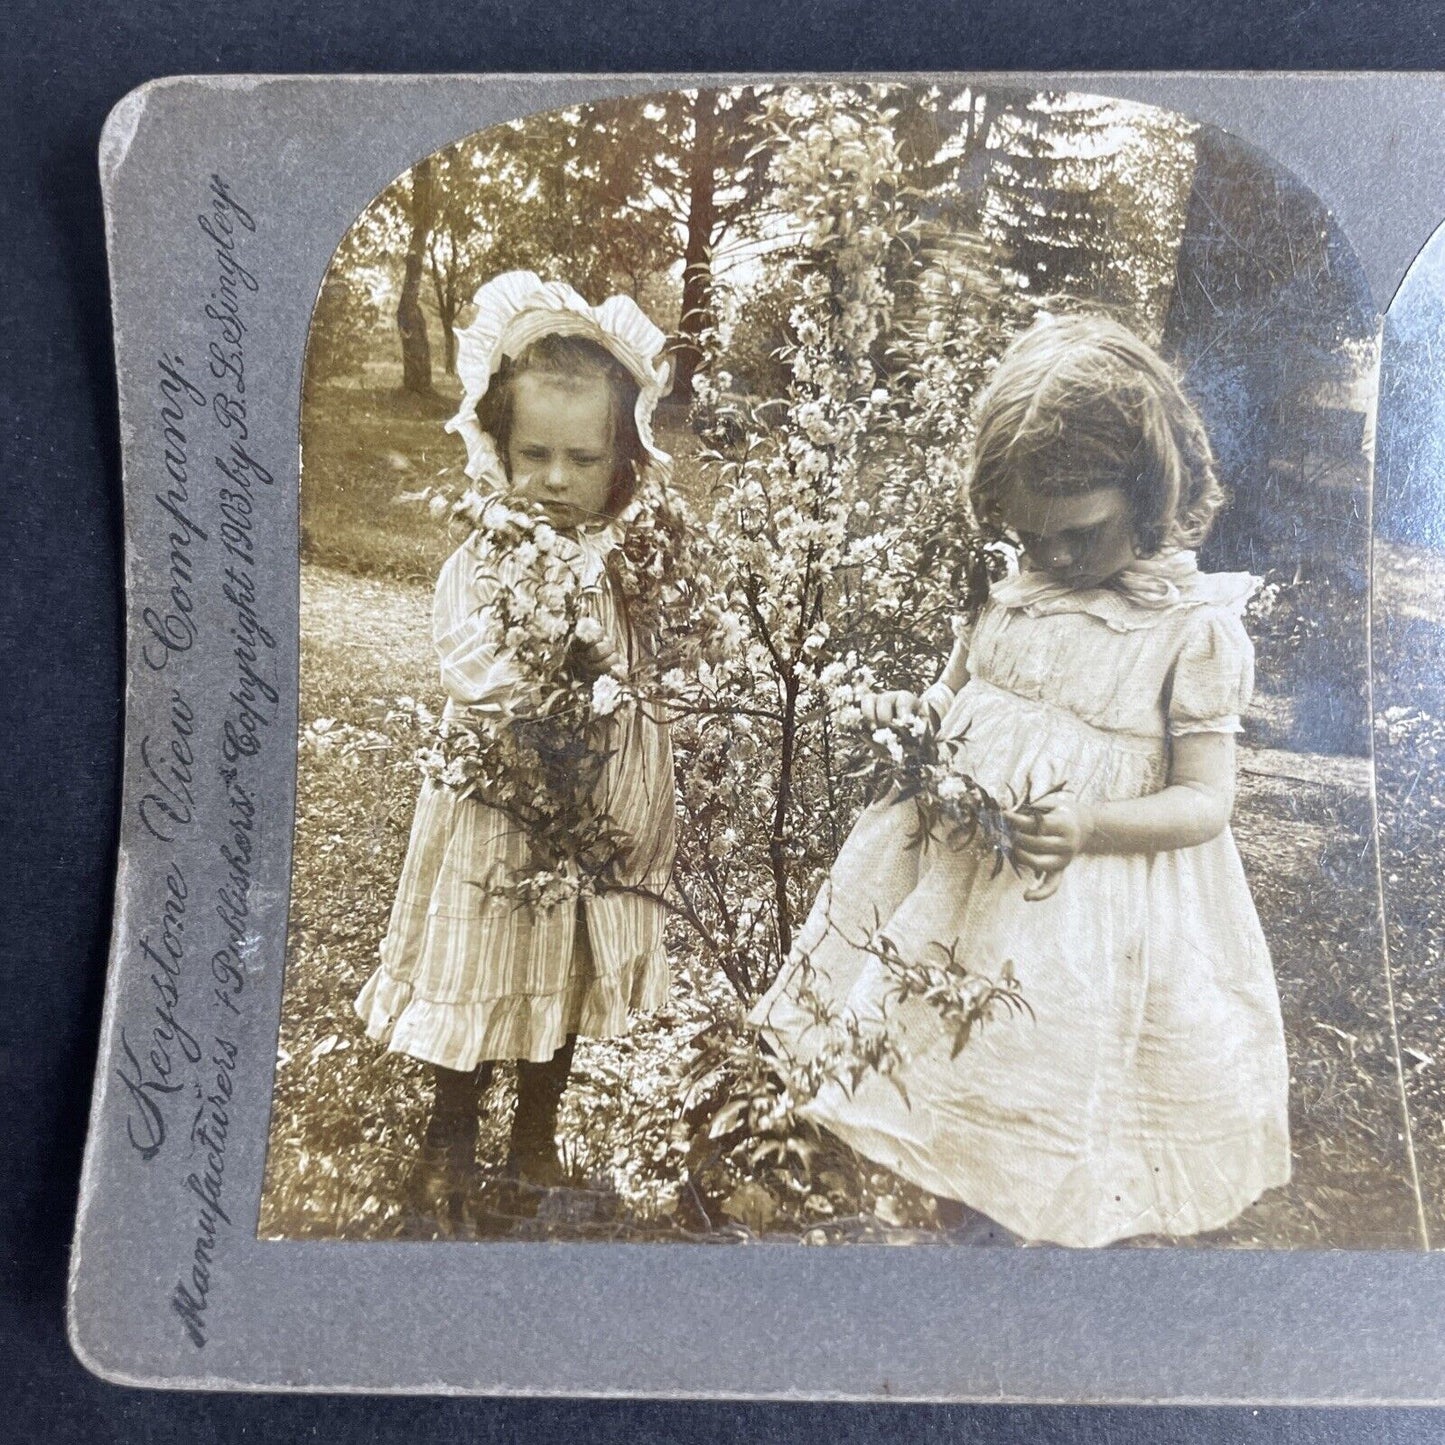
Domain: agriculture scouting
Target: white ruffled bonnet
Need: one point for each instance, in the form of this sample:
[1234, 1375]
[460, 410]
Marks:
[514, 310]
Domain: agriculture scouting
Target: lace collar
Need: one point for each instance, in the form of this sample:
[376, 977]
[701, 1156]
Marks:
[1144, 593]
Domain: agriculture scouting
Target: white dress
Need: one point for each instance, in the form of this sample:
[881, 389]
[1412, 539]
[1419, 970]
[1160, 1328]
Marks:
[1148, 1091]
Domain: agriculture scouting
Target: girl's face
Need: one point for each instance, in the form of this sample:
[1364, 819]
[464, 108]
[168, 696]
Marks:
[560, 451]
[1078, 541]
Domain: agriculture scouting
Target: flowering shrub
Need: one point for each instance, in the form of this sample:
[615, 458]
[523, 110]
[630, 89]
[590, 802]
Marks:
[324, 735]
[539, 756]
[842, 550]
[836, 561]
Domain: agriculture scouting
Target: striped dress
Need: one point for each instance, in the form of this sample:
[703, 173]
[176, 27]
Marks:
[467, 975]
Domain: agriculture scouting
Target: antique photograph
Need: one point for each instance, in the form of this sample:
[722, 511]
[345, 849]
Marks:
[835, 697]
[1408, 655]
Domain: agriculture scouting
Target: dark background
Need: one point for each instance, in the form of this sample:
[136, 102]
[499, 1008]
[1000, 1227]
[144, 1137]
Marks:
[60, 577]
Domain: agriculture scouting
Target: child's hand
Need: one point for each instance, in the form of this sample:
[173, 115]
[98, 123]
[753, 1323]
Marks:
[883, 709]
[594, 653]
[597, 658]
[1048, 836]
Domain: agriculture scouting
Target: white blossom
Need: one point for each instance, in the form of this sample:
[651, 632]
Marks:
[607, 692]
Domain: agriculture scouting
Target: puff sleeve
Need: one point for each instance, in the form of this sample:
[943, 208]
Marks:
[475, 669]
[1213, 676]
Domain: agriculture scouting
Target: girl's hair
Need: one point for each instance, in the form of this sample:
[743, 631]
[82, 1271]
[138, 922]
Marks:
[573, 360]
[1080, 403]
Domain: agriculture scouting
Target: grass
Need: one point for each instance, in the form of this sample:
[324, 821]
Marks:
[347, 1116]
[1410, 753]
[358, 453]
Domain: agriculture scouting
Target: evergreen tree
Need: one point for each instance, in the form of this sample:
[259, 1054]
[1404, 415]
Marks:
[1042, 204]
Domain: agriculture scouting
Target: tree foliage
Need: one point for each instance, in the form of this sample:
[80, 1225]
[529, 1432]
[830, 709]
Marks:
[1268, 316]
[1083, 197]
[627, 195]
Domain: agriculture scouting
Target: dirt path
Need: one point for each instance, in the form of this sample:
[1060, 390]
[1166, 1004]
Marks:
[372, 625]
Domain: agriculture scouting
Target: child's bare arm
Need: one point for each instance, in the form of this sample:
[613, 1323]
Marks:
[885, 708]
[955, 671]
[1193, 807]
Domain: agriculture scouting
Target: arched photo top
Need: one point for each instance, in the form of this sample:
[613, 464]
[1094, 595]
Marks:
[1197, 240]
[1410, 425]
[846, 277]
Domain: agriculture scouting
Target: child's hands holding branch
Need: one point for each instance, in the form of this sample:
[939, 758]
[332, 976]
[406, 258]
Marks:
[594, 652]
[1047, 836]
[884, 709]
[889, 709]
[1049, 833]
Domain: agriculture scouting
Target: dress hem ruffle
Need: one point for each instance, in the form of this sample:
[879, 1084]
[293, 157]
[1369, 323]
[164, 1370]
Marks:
[1260, 1161]
[514, 1026]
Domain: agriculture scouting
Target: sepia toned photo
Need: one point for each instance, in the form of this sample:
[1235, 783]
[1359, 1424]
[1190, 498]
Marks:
[1408, 657]
[836, 697]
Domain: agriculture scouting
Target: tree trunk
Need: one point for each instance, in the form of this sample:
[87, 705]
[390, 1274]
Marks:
[410, 319]
[445, 291]
[697, 317]
[778, 837]
[449, 321]
[972, 174]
